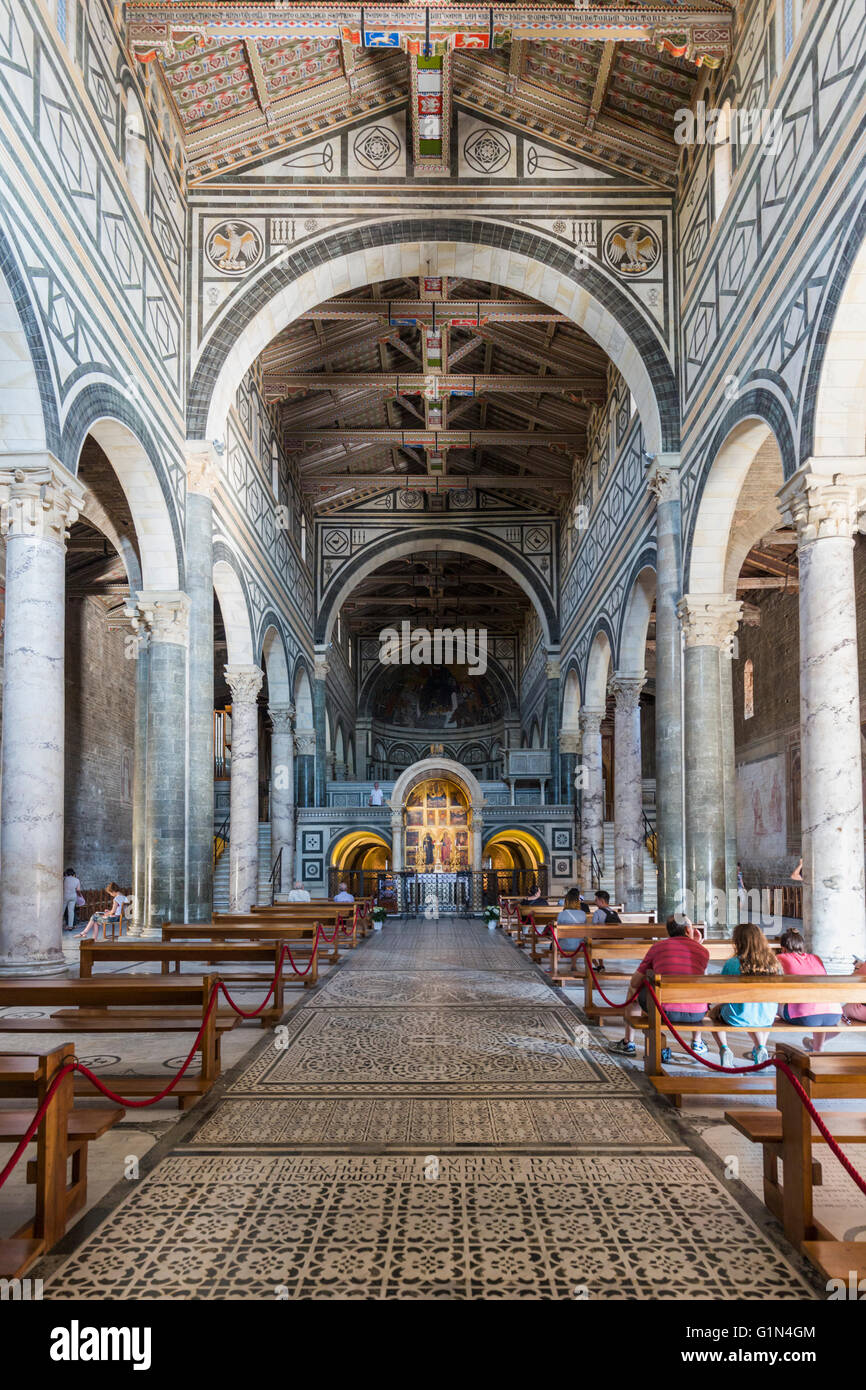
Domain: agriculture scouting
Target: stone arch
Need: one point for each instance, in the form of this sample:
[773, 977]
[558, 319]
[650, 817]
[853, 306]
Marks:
[632, 642]
[135, 147]
[495, 672]
[511, 256]
[570, 720]
[598, 668]
[834, 416]
[303, 698]
[29, 420]
[273, 659]
[131, 450]
[235, 612]
[529, 842]
[737, 506]
[437, 538]
[436, 767]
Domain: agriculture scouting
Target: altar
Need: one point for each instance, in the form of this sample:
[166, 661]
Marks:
[437, 828]
[444, 891]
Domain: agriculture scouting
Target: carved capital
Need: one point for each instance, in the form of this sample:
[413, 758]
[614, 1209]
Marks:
[590, 722]
[321, 667]
[626, 689]
[569, 742]
[663, 478]
[305, 742]
[551, 668]
[396, 820]
[823, 505]
[281, 718]
[244, 682]
[710, 620]
[202, 467]
[39, 498]
[164, 614]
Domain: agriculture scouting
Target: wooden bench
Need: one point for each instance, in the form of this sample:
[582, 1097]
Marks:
[329, 914]
[735, 989]
[63, 1135]
[257, 930]
[175, 953]
[639, 935]
[115, 1004]
[624, 946]
[787, 1135]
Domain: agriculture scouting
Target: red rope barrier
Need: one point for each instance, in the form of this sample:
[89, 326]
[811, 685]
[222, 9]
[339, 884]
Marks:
[739, 1071]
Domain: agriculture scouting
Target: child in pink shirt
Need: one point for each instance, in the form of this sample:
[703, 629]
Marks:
[796, 960]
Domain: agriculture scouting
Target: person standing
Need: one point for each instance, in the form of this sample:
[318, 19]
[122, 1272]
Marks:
[71, 894]
[376, 795]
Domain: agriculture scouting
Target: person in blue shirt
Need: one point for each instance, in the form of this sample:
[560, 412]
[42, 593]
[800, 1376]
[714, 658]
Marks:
[752, 956]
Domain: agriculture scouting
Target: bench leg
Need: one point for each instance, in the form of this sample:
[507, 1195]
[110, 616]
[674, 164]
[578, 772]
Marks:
[796, 1164]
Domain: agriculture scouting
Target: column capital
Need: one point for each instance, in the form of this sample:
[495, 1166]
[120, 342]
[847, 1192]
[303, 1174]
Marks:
[551, 666]
[202, 467]
[396, 820]
[164, 614]
[663, 478]
[38, 497]
[626, 686]
[321, 665]
[305, 742]
[590, 721]
[823, 499]
[569, 742]
[244, 682]
[281, 717]
[710, 620]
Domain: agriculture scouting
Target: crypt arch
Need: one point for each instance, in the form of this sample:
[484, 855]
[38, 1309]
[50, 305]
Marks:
[510, 256]
[523, 848]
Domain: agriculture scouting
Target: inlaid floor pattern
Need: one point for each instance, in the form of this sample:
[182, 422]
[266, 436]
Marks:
[432, 1123]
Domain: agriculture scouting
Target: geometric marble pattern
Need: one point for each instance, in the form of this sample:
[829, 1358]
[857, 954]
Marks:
[487, 1227]
[426, 1125]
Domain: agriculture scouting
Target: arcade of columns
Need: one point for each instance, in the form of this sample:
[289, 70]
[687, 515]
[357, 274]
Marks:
[173, 791]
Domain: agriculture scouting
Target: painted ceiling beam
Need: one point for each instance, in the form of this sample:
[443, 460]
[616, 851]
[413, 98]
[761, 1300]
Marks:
[433, 439]
[464, 383]
[413, 481]
[464, 313]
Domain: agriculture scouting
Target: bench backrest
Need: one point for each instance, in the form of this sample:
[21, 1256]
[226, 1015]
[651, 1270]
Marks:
[778, 989]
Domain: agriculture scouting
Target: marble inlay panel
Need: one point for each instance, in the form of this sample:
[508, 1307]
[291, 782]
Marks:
[431, 989]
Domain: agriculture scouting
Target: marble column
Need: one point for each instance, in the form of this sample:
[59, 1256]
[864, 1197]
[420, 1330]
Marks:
[244, 682]
[729, 773]
[568, 749]
[628, 791]
[202, 473]
[823, 507]
[552, 673]
[709, 624]
[476, 830]
[663, 480]
[592, 817]
[39, 501]
[282, 794]
[397, 854]
[139, 784]
[305, 743]
[165, 614]
[320, 683]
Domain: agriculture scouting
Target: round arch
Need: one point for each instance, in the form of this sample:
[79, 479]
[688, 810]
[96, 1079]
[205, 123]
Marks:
[28, 409]
[513, 256]
[235, 614]
[303, 698]
[437, 538]
[444, 768]
[834, 416]
[737, 506]
[347, 850]
[632, 644]
[598, 667]
[530, 850]
[273, 658]
[495, 672]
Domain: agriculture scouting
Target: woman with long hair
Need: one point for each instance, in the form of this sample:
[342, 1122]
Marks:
[752, 956]
[101, 919]
[794, 959]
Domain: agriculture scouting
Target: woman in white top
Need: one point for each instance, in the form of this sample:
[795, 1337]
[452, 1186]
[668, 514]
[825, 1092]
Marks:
[101, 919]
[71, 891]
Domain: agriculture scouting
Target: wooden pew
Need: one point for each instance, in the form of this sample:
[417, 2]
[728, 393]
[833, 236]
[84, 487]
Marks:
[735, 989]
[166, 954]
[256, 930]
[639, 936]
[508, 916]
[123, 1004]
[329, 914]
[787, 1135]
[64, 1134]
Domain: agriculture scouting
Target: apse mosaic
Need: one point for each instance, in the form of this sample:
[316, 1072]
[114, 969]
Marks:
[438, 697]
[437, 828]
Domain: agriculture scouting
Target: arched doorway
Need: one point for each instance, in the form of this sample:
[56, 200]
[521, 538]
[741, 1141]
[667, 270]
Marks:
[436, 827]
[362, 860]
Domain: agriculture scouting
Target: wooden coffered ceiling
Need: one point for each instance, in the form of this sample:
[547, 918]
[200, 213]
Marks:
[436, 589]
[253, 79]
[361, 407]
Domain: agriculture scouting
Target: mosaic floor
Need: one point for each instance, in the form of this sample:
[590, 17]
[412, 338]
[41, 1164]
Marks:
[433, 1122]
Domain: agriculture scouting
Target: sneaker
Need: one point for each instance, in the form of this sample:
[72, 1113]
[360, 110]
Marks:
[700, 1046]
[809, 1044]
[759, 1055]
[625, 1049]
[726, 1057]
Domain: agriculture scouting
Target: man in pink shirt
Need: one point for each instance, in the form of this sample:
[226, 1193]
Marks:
[681, 954]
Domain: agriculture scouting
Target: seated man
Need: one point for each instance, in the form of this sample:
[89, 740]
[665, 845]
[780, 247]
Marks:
[572, 910]
[680, 954]
[299, 893]
[603, 914]
[344, 896]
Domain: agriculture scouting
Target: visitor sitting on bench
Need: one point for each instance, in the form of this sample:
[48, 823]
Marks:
[604, 914]
[572, 914]
[534, 898]
[856, 1013]
[796, 960]
[753, 957]
[344, 896]
[681, 954]
[114, 914]
[299, 893]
